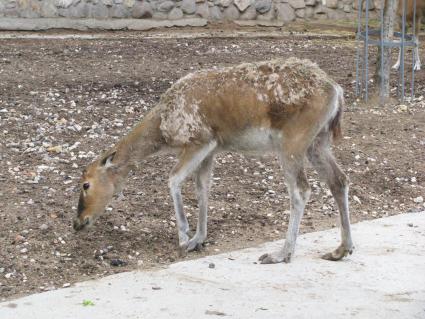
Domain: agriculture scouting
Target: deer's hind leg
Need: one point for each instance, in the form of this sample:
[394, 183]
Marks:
[396, 66]
[417, 66]
[188, 161]
[321, 158]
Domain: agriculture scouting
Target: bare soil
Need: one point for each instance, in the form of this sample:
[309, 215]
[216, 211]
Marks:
[63, 101]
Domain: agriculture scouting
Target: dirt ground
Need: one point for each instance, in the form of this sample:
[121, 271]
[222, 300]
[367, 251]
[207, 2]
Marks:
[63, 101]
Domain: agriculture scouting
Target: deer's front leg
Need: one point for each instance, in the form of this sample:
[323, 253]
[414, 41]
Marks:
[189, 160]
[182, 223]
[299, 193]
[203, 181]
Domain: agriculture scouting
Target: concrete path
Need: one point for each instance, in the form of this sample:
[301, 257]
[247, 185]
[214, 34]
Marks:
[384, 278]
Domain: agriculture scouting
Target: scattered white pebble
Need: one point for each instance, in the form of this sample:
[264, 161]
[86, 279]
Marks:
[356, 199]
[418, 199]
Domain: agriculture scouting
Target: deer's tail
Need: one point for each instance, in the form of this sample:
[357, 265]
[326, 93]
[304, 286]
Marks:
[335, 122]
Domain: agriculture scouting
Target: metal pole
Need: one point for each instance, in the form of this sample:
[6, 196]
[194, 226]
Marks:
[359, 30]
[382, 53]
[366, 50]
[403, 34]
[412, 85]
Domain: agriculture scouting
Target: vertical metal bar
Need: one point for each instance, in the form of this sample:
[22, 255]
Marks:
[366, 50]
[359, 30]
[381, 95]
[403, 34]
[412, 84]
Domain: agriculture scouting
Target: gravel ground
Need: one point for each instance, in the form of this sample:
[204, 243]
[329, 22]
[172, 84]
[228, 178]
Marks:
[63, 101]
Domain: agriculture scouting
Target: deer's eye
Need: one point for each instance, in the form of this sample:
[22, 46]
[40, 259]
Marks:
[86, 186]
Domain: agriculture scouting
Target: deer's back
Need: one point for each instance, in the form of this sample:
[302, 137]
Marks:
[238, 100]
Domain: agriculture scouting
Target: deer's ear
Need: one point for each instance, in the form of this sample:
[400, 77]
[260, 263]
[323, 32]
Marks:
[107, 160]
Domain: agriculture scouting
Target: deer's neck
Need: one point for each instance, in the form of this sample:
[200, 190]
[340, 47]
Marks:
[144, 139]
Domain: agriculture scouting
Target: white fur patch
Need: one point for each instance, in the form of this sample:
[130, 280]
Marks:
[282, 81]
[256, 140]
[181, 121]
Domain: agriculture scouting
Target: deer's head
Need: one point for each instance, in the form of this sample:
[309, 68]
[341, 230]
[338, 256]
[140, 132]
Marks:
[100, 181]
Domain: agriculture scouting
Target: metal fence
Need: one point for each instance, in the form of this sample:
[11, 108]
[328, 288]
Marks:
[370, 37]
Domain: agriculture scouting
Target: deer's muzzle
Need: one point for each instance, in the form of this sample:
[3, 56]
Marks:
[79, 225]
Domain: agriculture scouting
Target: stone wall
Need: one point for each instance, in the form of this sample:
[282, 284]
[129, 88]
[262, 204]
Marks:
[213, 10]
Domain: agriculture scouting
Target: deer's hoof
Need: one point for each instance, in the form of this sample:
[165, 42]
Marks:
[338, 253]
[193, 245]
[183, 249]
[188, 246]
[274, 258]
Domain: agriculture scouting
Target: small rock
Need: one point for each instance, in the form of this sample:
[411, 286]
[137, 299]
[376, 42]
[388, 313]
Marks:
[19, 239]
[43, 227]
[263, 6]
[119, 11]
[215, 14]
[300, 13]
[66, 285]
[285, 12]
[249, 14]
[175, 14]
[211, 265]
[242, 4]
[166, 6]
[333, 4]
[298, 4]
[214, 313]
[356, 199]
[418, 199]
[102, 252]
[156, 288]
[347, 8]
[118, 262]
[410, 224]
[188, 6]
[231, 13]
[225, 3]
[202, 10]
[402, 108]
[55, 149]
[63, 3]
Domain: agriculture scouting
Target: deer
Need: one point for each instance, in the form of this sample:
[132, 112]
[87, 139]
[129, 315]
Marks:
[289, 107]
[420, 13]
